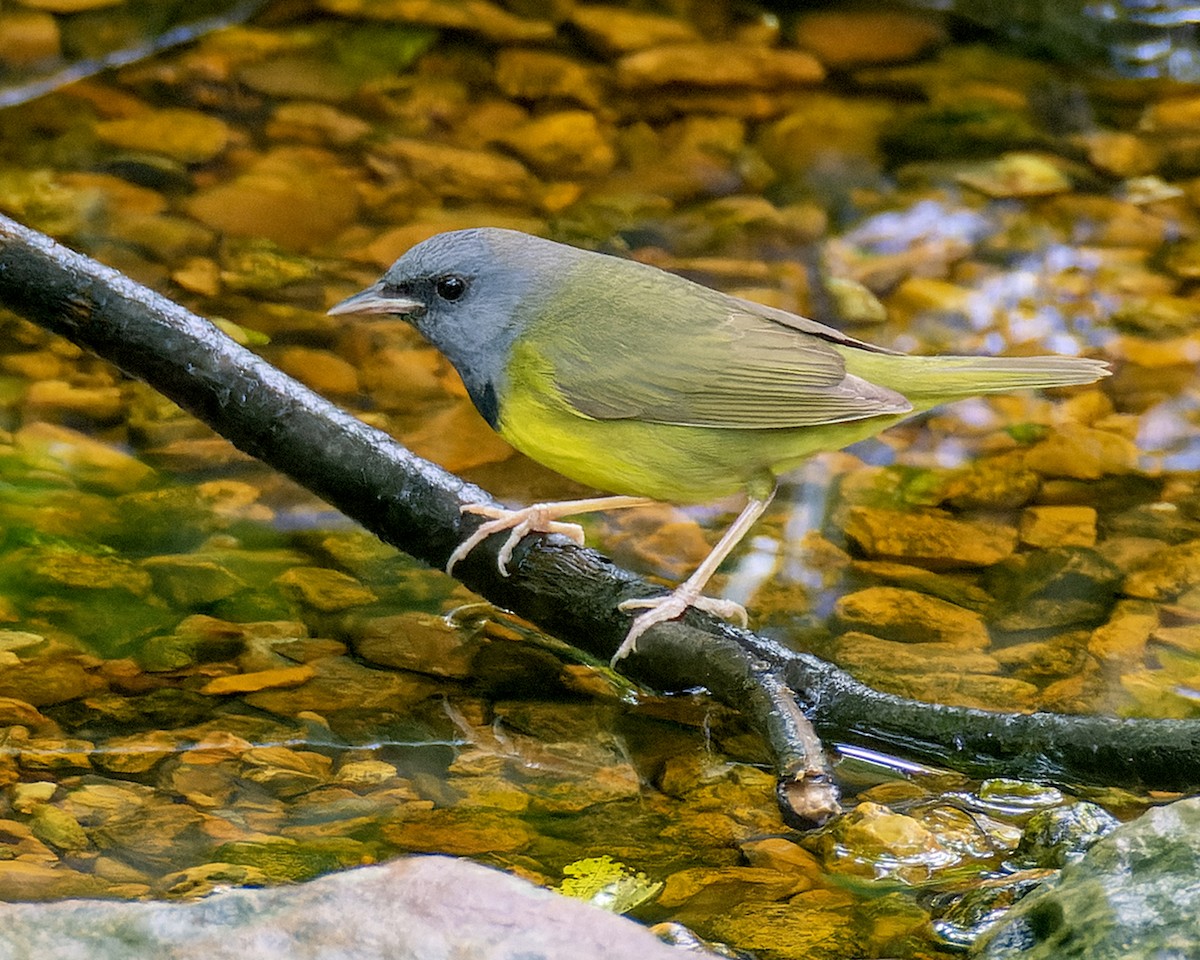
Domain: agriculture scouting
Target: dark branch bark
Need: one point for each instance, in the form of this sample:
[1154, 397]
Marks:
[569, 591]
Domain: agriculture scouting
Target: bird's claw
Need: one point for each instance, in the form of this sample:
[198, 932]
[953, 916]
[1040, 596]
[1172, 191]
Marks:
[661, 609]
[536, 518]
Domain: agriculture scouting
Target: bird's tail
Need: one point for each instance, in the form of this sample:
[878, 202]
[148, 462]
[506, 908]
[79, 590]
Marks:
[930, 380]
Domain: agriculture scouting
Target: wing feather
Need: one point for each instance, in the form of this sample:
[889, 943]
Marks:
[709, 360]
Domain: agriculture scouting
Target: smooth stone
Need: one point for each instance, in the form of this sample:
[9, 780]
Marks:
[469, 832]
[416, 641]
[1058, 526]
[284, 860]
[460, 174]
[27, 880]
[324, 589]
[1122, 640]
[711, 888]
[563, 145]
[28, 37]
[19, 713]
[1158, 317]
[1041, 661]
[1174, 114]
[70, 6]
[257, 266]
[1135, 893]
[419, 908]
[321, 370]
[618, 30]
[155, 836]
[1055, 587]
[384, 248]
[185, 135]
[872, 833]
[44, 201]
[846, 39]
[457, 439]
[298, 197]
[1185, 638]
[931, 538]
[475, 16]
[46, 681]
[342, 684]
[541, 75]
[34, 365]
[1016, 175]
[137, 753]
[51, 397]
[872, 659]
[317, 124]
[994, 483]
[280, 678]
[167, 239]
[715, 65]
[1082, 453]
[894, 613]
[958, 589]
[20, 641]
[209, 878]
[1165, 574]
[300, 76]
[63, 570]
[188, 580]
[782, 856]
[1108, 222]
[1062, 834]
[393, 377]
[27, 796]
[815, 923]
[58, 829]
[979, 690]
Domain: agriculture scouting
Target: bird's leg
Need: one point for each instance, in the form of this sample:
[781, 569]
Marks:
[688, 593]
[536, 518]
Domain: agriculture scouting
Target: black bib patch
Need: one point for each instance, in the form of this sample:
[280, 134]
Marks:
[486, 403]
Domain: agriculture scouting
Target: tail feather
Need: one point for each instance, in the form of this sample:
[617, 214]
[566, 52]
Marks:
[949, 378]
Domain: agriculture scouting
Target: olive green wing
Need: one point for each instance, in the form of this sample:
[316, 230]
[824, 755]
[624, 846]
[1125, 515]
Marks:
[701, 358]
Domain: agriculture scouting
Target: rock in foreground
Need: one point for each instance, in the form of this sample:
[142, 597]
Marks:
[421, 908]
[1135, 893]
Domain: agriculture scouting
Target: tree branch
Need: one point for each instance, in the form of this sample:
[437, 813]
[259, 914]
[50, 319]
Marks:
[569, 591]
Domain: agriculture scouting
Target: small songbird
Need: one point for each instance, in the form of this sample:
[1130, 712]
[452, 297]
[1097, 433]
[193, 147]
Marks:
[646, 385]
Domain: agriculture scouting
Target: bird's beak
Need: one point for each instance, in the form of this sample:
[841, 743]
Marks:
[375, 300]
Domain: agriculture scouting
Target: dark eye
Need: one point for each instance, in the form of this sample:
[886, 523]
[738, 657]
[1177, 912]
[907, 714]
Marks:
[450, 287]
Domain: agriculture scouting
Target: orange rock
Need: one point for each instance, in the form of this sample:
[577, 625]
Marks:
[325, 372]
[27, 37]
[299, 197]
[850, 38]
[458, 439]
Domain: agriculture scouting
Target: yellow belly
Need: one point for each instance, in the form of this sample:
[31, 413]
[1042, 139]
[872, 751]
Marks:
[660, 461]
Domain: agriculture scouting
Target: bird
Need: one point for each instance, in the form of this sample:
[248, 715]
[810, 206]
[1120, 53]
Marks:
[650, 387]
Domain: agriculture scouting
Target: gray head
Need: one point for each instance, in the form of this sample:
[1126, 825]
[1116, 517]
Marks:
[466, 292]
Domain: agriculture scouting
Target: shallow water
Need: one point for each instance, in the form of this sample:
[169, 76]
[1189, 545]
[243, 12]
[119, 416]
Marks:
[209, 677]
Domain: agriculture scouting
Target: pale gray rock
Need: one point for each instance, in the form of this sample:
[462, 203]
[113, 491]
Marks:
[420, 908]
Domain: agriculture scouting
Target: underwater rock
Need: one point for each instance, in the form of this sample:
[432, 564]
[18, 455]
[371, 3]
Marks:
[929, 538]
[893, 613]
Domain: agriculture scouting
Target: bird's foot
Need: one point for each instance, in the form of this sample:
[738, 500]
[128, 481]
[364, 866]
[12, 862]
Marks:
[536, 518]
[662, 609]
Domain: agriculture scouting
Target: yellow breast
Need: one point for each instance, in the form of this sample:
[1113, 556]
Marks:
[636, 458]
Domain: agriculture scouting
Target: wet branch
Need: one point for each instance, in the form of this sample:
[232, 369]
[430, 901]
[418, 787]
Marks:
[569, 591]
